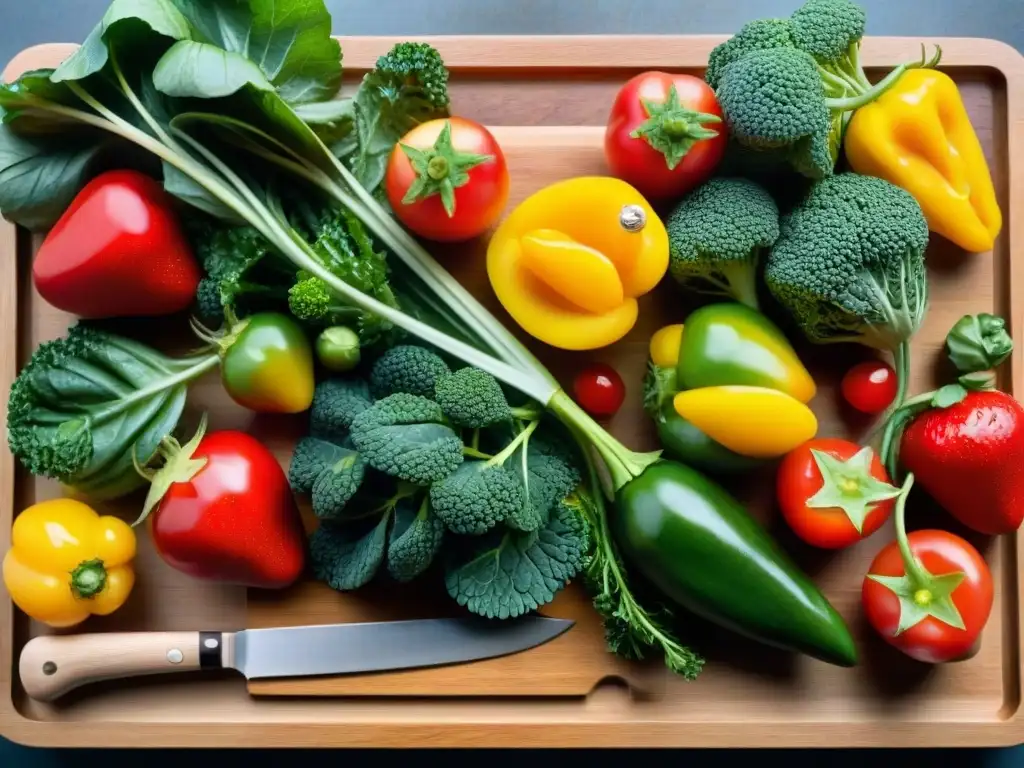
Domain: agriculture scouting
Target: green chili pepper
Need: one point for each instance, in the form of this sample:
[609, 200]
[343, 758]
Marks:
[731, 343]
[702, 549]
[267, 364]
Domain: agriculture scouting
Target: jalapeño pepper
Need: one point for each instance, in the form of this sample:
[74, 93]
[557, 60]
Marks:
[702, 549]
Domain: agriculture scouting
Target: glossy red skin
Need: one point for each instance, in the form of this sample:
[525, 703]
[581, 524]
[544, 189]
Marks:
[799, 479]
[236, 521]
[478, 203]
[635, 161]
[599, 390]
[870, 387]
[931, 640]
[970, 458]
[117, 251]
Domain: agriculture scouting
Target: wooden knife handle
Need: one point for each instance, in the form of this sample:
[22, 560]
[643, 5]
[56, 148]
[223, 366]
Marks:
[52, 665]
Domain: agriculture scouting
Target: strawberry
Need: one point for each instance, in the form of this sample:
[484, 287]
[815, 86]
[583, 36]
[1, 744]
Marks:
[117, 251]
[970, 457]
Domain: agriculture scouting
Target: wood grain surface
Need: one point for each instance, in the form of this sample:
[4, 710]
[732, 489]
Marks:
[548, 98]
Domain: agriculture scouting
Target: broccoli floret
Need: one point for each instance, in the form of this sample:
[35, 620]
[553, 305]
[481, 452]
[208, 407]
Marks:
[409, 369]
[406, 436]
[476, 497]
[471, 398]
[508, 573]
[329, 472]
[831, 30]
[764, 80]
[415, 539]
[774, 100]
[408, 86]
[209, 304]
[716, 236]
[849, 265]
[413, 69]
[756, 35]
[336, 402]
[347, 557]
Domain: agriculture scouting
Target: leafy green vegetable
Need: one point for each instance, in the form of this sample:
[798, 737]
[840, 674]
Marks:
[86, 404]
[471, 398]
[509, 573]
[407, 368]
[476, 497]
[347, 557]
[330, 472]
[416, 538]
[406, 436]
[336, 403]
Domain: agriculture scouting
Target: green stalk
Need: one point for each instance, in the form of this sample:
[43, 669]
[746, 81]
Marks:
[623, 464]
[520, 440]
[915, 570]
[200, 366]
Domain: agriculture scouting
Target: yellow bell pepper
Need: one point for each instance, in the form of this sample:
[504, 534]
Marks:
[570, 261]
[758, 422]
[664, 345]
[66, 562]
[918, 136]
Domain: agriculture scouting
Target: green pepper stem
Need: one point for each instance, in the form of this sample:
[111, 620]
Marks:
[914, 569]
[88, 579]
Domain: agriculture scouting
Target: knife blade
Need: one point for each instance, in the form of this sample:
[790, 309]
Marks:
[52, 665]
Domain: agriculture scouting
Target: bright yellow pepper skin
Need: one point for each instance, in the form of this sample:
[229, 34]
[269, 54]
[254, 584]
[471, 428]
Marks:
[567, 237]
[918, 136]
[757, 422]
[67, 563]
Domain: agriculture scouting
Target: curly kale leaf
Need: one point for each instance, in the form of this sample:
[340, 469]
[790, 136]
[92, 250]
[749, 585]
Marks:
[406, 436]
[407, 368]
[471, 398]
[330, 472]
[347, 557]
[509, 573]
[336, 402]
[476, 497]
[414, 541]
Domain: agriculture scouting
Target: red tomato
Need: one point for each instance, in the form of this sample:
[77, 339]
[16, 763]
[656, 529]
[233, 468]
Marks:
[870, 387]
[651, 162]
[599, 390]
[235, 520]
[117, 251]
[477, 202]
[931, 640]
[799, 479]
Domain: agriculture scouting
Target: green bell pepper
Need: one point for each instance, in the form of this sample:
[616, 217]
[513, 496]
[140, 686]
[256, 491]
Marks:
[686, 443]
[731, 343]
[702, 549]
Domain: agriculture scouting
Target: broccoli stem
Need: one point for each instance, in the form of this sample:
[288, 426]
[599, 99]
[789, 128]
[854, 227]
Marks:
[869, 93]
[520, 440]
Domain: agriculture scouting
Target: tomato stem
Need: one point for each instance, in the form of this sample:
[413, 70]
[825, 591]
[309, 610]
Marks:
[911, 564]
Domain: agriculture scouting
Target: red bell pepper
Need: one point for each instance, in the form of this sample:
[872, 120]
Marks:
[117, 251]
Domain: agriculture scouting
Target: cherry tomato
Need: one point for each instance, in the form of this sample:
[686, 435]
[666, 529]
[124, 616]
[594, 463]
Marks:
[462, 175]
[870, 387]
[599, 390]
[855, 477]
[931, 639]
[679, 139]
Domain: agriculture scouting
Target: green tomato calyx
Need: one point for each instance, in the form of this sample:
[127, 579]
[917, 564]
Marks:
[849, 486]
[672, 128]
[440, 170]
[179, 467]
[921, 594]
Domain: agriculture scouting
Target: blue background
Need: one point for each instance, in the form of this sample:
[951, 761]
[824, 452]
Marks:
[23, 24]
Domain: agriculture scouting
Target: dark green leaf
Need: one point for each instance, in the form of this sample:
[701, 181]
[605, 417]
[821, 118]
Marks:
[201, 70]
[160, 16]
[416, 538]
[39, 177]
[289, 40]
[348, 556]
[188, 190]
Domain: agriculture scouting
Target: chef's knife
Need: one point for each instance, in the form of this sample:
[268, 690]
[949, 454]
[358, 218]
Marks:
[52, 665]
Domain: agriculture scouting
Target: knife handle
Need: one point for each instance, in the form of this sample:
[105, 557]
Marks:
[52, 665]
